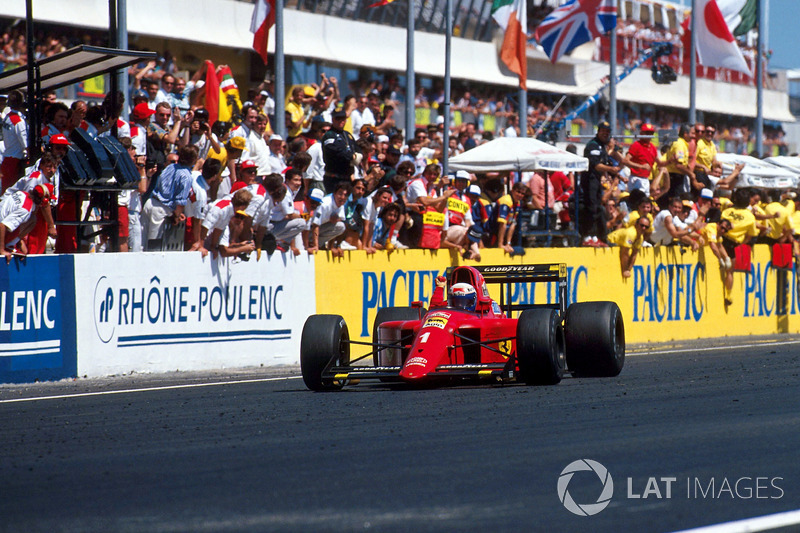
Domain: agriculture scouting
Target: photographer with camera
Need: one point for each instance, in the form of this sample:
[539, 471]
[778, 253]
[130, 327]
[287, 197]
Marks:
[199, 134]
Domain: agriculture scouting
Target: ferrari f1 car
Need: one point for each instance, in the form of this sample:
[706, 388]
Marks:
[466, 335]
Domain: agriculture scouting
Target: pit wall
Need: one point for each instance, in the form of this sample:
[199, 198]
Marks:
[671, 295]
[104, 314]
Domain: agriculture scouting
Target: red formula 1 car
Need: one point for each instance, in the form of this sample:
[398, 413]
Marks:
[467, 336]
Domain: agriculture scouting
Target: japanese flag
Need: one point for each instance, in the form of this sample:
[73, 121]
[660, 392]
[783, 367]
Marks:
[716, 46]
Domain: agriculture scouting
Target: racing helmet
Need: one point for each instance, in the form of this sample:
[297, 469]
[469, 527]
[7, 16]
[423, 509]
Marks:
[463, 296]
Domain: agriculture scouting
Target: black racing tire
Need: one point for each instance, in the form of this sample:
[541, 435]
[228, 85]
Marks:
[390, 314]
[540, 347]
[595, 335]
[322, 345]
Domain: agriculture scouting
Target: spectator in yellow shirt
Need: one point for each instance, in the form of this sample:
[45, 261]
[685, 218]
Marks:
[630, 241]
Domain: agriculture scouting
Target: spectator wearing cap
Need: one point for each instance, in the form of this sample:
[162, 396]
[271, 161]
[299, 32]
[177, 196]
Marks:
[198, 200]
[169, 197]
[230, 153]
[327, 222]
[140, 120]
[15, 138]
[642, 155]
[339, 152]
[592, 216]
[275, 158]
[481, 210]
[18, 216]
[58, 146]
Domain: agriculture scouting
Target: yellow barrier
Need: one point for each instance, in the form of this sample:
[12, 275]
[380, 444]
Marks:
[670, 296]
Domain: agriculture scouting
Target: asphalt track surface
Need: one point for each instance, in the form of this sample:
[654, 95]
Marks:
[263, 454]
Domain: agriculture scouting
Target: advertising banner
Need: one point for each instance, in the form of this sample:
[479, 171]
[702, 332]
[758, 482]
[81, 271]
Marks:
[672, 294]
[156, 312]
[37, 319]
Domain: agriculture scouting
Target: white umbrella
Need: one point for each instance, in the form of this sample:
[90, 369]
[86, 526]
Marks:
[758, 173]
[786, 161]
[518, 154]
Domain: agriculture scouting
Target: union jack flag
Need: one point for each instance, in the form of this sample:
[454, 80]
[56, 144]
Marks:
[574, 23]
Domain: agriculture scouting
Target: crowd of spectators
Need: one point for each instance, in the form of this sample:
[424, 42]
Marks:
[345, 177]
[679, 196]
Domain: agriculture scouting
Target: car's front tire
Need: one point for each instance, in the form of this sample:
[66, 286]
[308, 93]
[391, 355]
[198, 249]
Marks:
[324, 343]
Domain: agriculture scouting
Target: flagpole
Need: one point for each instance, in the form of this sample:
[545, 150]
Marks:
[760, 80]
[411, 93]
[280, 73]
[446, 104]
[612, 86]
[693, 68]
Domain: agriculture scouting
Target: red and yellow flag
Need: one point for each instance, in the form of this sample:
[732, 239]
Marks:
[222, 93]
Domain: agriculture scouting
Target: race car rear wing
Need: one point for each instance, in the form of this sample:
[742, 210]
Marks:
[508, 274]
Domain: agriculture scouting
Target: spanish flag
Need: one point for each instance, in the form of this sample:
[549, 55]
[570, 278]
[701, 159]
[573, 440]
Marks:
[381, 3]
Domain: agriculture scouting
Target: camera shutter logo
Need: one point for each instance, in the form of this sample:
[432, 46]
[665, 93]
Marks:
[586, 509]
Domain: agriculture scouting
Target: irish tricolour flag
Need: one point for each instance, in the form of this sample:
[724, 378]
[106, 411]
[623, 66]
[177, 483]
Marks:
[512, 16]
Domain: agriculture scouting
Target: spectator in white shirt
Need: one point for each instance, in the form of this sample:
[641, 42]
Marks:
[198, 200]
[327, 222]
[275, 158]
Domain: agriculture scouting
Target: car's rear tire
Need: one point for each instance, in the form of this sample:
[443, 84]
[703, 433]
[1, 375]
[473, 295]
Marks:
[540, 347]
[322, 345]
[595, 335]
[390, 314]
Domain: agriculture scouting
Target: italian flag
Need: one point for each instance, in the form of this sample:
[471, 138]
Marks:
[512, 16]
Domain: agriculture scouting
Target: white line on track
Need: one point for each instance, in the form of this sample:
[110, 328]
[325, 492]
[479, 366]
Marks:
[716, 348]
[761, 523]
[262, 380]
[147, 389]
